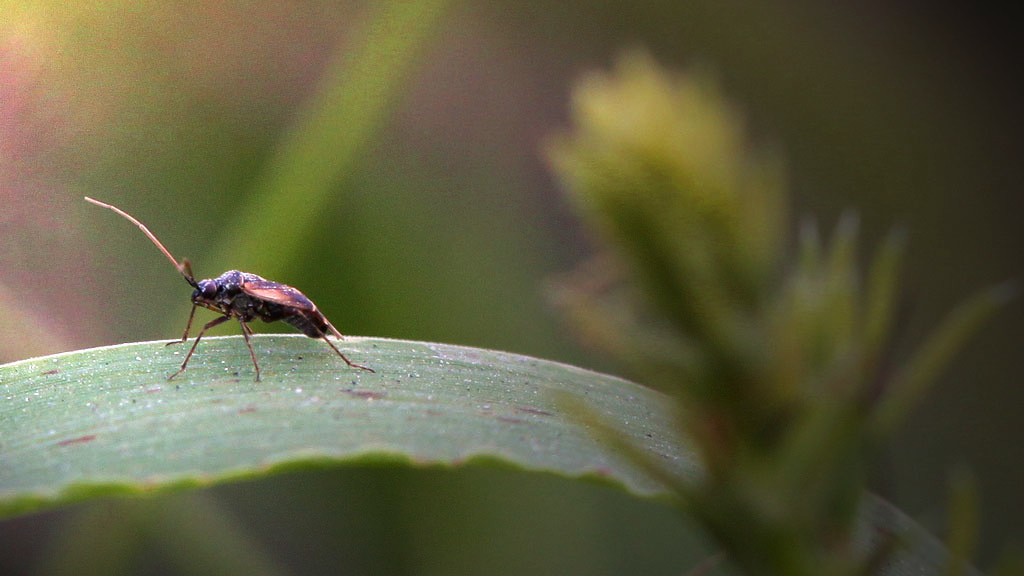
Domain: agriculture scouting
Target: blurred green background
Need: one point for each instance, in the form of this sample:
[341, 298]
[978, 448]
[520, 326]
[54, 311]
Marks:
[385, 158]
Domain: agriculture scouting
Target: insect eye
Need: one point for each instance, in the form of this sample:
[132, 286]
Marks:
[209, 289]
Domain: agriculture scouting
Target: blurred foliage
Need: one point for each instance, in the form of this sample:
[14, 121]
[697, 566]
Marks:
[444, 226]
[777, 375]
[355, 95]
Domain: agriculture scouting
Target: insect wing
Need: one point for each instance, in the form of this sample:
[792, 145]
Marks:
[278, 294]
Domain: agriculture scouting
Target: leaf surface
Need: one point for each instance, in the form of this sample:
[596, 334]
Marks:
[108, 420]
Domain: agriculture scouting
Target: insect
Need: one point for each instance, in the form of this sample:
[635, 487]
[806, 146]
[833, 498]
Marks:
[246, 297]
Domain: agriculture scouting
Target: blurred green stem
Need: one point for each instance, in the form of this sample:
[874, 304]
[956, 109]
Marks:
[776, 368]
[357, 91]
[910, 383]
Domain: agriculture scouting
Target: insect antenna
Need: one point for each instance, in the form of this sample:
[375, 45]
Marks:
[185, 267]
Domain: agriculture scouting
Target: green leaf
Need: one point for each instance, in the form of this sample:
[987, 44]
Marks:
[107, 420]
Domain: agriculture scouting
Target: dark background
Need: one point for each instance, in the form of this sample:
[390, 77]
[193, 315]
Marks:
[449, 224]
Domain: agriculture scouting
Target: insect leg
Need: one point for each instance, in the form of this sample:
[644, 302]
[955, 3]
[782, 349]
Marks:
[246, 331]
[208, 325]
[188, 326]
[347, 361]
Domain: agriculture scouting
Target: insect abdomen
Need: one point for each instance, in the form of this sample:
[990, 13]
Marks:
[311, 324]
